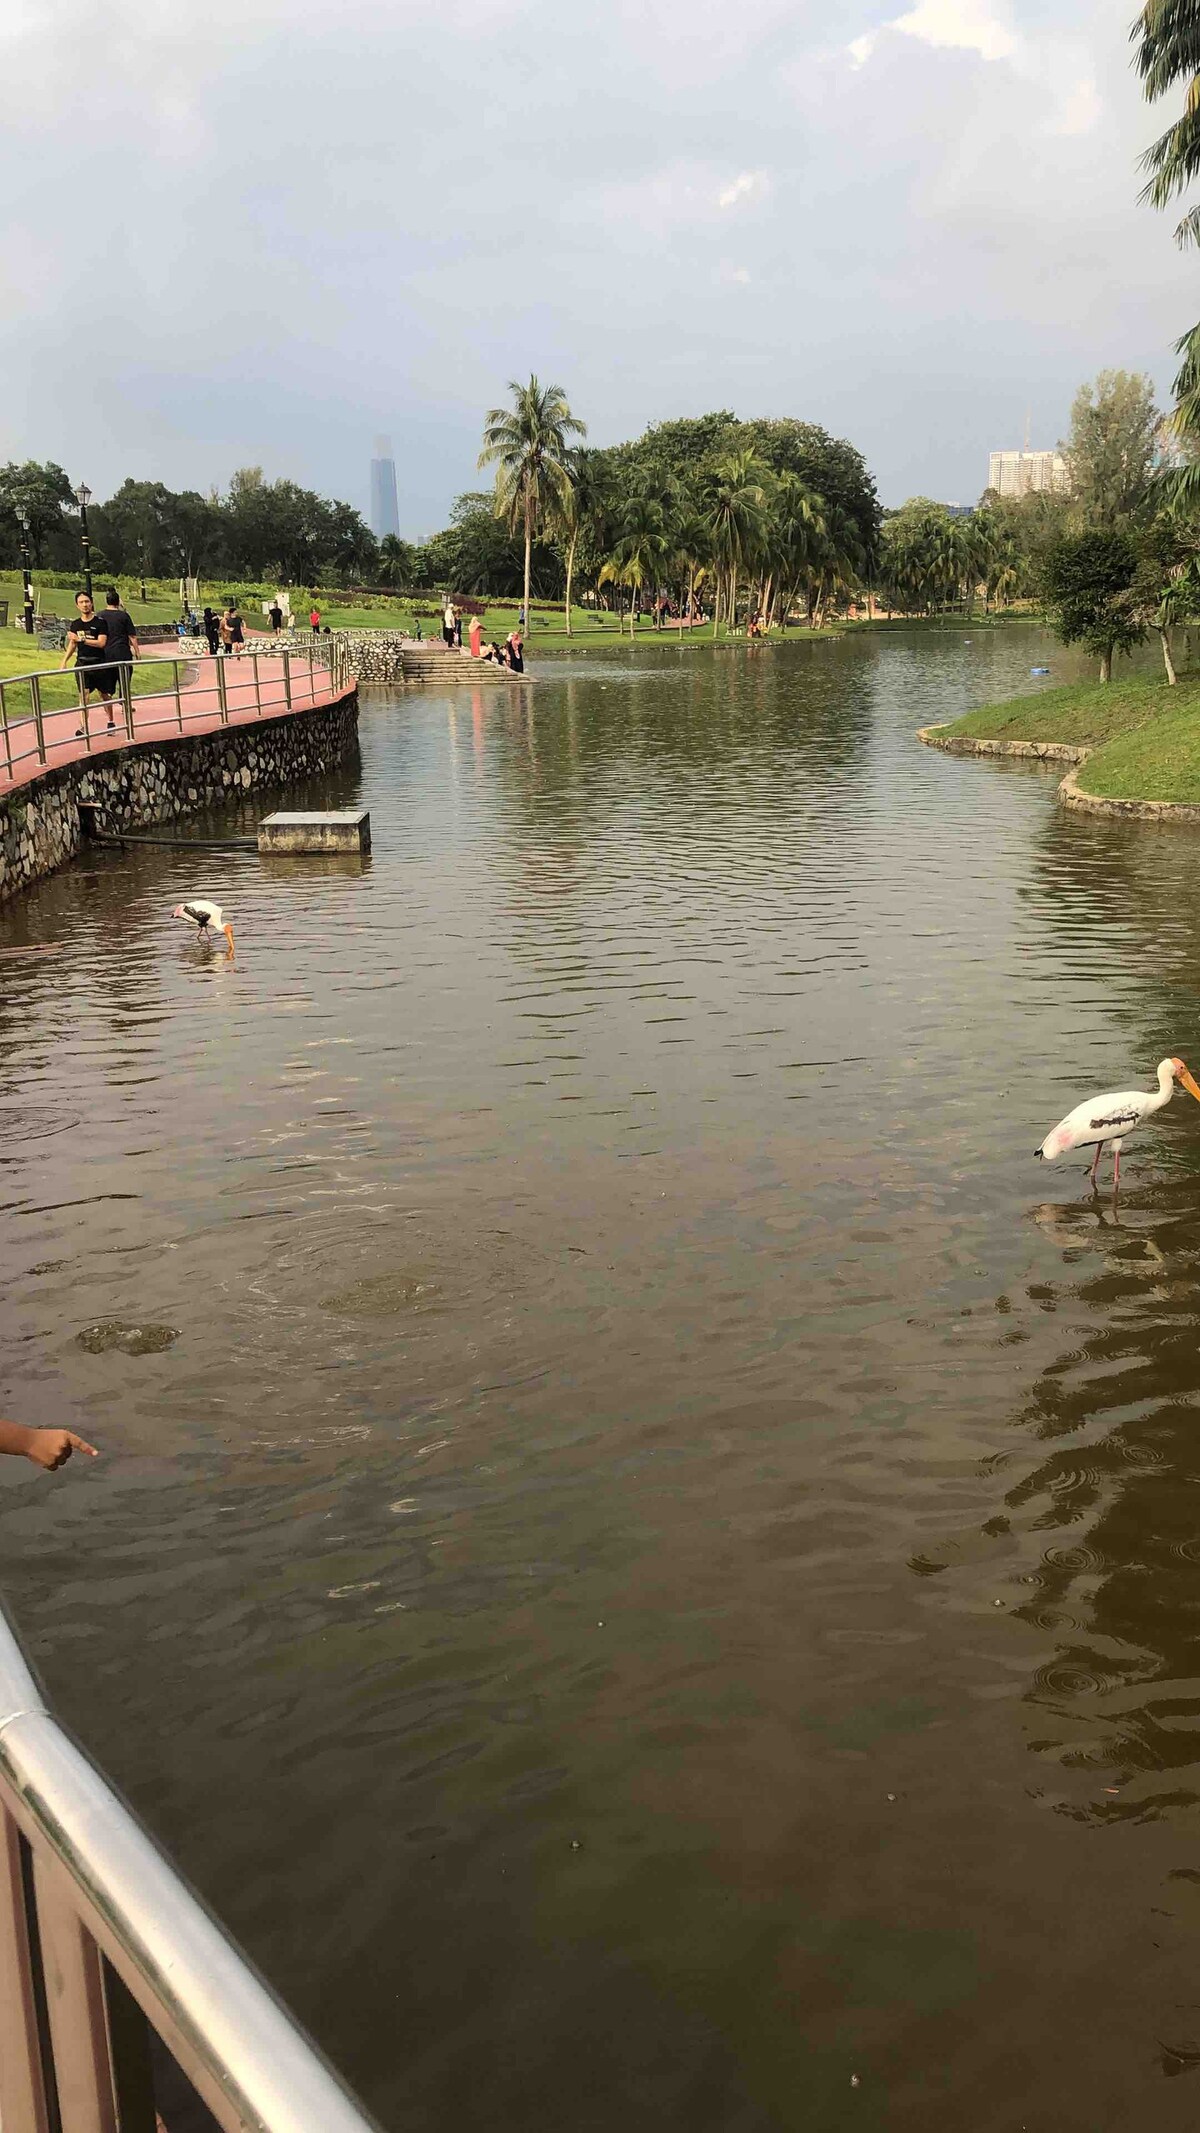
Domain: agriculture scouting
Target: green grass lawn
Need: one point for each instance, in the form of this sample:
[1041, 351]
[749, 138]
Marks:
[59, 691]
[60, 600]
[1144, 736]
[548, 632]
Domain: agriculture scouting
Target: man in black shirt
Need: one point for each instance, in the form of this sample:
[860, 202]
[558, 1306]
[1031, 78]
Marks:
[122, 644]
[88, 641]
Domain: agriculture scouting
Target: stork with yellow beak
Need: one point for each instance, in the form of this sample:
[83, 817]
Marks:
[1107, 1121]
[206, 917]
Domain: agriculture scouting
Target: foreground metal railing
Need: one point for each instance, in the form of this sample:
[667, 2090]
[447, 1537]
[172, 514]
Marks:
[99, 1937]
[40, 712]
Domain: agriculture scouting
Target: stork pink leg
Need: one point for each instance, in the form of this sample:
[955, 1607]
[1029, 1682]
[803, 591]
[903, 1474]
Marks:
[1116, 1166]
[1095, 1162]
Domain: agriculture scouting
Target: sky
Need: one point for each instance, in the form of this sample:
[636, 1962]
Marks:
[260, 233]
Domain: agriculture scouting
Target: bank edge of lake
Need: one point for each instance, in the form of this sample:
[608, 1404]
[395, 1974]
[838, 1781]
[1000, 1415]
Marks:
[1140, 740]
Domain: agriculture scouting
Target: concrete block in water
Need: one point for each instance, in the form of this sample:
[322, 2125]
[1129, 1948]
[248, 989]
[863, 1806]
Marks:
[344, 829]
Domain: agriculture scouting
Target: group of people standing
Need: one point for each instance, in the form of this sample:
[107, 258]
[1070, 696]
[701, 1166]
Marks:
[510, 654]
[224, 631]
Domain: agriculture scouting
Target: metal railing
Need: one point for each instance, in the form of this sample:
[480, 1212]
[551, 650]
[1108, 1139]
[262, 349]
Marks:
[42, 724]
[99, 1937]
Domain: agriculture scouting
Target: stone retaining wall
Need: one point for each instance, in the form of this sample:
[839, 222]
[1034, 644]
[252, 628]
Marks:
[1185, 813]
[374, 655]
[1024, 751]
[161, 781]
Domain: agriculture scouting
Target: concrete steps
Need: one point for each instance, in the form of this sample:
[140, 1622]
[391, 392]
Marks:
[439, 662]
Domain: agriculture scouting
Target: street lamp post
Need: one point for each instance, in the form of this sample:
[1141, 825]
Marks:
[26, 580]
[83, 497]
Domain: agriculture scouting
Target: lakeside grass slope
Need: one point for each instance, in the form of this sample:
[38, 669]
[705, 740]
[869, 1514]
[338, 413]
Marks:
[59, 691]
[1143, 737]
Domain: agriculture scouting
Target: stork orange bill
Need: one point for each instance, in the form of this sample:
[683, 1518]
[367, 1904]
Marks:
[1187, 1080]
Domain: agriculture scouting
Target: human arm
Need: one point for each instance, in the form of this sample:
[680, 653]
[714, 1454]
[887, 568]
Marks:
[47, 1448]
[72, 646]
[134, 646]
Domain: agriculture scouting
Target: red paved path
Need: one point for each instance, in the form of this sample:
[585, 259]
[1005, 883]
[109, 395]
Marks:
[157, 717]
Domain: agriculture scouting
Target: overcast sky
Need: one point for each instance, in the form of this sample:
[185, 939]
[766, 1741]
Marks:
[259, 231]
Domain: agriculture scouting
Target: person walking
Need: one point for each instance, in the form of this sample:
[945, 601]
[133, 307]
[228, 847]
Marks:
[448, 624]
[275, 615]
[476, 636]
[123, 647]
[87, 644]
[457, 628]
[212, 629]
[315, 619]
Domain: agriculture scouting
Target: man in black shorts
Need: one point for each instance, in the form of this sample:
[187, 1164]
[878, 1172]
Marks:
[88, 641]
[121, 630]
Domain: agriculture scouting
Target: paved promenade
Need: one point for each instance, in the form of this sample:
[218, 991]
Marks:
[196, 708]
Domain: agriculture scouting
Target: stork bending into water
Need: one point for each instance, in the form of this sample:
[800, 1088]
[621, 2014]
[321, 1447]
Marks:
[1107, 1121]
[206, 917]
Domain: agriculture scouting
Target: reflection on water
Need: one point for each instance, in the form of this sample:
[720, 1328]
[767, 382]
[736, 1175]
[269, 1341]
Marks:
[658, 1573]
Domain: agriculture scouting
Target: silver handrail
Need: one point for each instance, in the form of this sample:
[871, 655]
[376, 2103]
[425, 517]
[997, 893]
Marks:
[247, 684]
[102, 1899]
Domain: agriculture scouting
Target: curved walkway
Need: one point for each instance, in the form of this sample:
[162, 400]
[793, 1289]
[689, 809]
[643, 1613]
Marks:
[250, 687]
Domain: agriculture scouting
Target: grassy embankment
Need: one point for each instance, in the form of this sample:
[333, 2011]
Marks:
[548, 633]
[1143, 737]
[60, 691]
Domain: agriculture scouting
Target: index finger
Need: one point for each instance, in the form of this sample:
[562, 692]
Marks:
[81, 1445]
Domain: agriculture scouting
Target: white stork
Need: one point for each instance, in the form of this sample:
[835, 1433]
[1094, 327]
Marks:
[206, 917]
[1110, 1119]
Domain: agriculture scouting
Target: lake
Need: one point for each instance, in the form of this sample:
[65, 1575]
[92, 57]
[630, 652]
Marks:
[658, 1585]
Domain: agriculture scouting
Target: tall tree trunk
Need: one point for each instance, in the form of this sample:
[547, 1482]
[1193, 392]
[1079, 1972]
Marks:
[1106, 664]
[1164, 637]
[767, 596]
[691, 599]
[570, 574]
[528, 547]
[716, 603]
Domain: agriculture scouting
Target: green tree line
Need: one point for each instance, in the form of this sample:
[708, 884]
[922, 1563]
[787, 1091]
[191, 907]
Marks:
[772, 515]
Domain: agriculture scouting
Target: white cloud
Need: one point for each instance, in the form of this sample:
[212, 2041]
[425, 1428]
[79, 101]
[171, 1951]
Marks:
[965, 25]
[1081, 110]
[748, 185]
[957, 25]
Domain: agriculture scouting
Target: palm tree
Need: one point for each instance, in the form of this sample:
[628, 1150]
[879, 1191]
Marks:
[640, 549]
[734, 513]
[529, 446]
[796, 531]
[841, 560]
[579, 510]
[1167, 36]
[395, 560]
[690, 545]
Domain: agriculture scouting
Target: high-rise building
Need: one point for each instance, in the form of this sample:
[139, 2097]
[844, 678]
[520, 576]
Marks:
[1016, 473]
[385, 511]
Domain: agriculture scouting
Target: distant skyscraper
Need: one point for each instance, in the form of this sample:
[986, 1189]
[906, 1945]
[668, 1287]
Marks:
[1016, 473]
[385, 511]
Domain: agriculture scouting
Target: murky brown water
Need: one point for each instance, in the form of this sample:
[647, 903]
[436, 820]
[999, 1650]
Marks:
[662, 1570]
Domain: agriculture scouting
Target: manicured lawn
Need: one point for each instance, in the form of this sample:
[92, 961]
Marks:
[548, 631]
[21, 656]
[1144, 736]
[60, 600]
